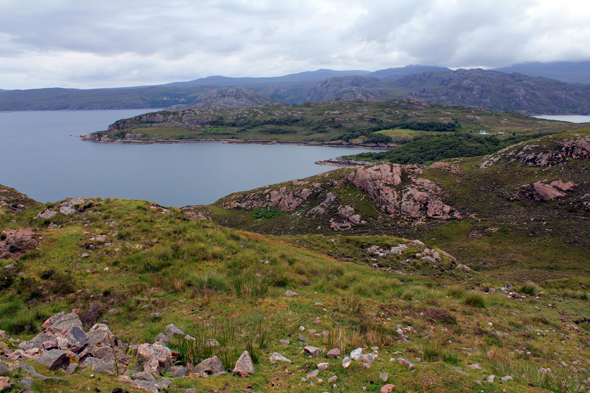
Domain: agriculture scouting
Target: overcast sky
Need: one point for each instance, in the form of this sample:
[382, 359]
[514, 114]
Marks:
[109, 43]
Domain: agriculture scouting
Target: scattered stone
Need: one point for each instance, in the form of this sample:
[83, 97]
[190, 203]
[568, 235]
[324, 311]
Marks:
[384, 376]
[178, 371]
[76, 338]
[318, 304]
[71, 368]
[211, 366]
[457, 369]
[212, 342]
[323, 366]
[101, 335]
[356, 354]
[333, 379]
[490, 378]
[144, 376]
[5, 383]
[313, 351]
[244, 365]
[475, 366]
[312, 374]
[3, 369]
[54, 359]
[285, 342]
[405, 362]
[291, 293]
[173, 331]
[333, 353]
[27, 382]
[47, 214]
[31, 370]
[303, 338]
[151, 386]
[387, 388]
[507, 378]
[346, 362]
[161, 337]
[277, 357]
[62, 322]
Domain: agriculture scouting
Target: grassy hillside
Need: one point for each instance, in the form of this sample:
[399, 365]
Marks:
[120, 261]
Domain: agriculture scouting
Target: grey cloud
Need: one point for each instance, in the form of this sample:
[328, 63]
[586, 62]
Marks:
[83, 44]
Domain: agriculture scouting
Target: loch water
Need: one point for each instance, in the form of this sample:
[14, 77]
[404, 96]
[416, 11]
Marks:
[42, 156]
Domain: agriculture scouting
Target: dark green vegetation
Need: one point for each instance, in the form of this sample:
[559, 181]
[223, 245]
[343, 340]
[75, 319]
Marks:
[336, 122]
[426, 149]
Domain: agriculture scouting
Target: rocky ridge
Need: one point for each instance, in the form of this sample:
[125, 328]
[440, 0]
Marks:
[347, 89]
[498, 91]
[415, 198]
[233, 98]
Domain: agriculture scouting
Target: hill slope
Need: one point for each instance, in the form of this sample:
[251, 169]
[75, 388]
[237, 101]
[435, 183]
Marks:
[567, 71]
[498, 91]
[511, 209]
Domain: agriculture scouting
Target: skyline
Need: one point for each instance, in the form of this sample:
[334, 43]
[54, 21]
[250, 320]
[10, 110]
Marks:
[77, 45]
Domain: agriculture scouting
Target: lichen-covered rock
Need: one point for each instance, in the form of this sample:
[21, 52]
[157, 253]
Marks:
[244, 365]
[541, 191]
[211, 366]
[62, 322]
[54, 359]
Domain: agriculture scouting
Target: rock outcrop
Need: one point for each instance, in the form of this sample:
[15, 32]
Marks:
[420, 198]
[348, 88]
[542, 191]
[15, 242]
[284, 199]
[543, 154]
[236, 97]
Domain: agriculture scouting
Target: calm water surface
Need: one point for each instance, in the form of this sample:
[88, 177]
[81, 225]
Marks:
[569, 118]
[41, 156]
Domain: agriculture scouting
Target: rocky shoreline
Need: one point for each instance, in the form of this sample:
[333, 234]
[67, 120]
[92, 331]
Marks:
[106, 139]
[343, 163]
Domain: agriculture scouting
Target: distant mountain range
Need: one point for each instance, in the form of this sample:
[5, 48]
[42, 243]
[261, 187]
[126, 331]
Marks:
[530, 91]
[573, 72]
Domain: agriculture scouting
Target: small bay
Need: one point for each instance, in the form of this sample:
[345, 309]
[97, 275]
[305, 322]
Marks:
[41, 156]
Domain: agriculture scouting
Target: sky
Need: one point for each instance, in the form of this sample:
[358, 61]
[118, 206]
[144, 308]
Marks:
[107, 43]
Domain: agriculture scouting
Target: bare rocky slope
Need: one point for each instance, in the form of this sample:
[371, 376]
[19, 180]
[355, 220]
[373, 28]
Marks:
[235, 97]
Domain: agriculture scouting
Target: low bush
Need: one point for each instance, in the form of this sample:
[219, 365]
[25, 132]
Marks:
[474, 299]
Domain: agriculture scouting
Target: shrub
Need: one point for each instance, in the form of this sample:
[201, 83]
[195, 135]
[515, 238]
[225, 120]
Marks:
[455, 291]
[442, 316]
[474, 299]
[530, 288]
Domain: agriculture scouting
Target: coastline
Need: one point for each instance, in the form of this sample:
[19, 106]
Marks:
[92, 138]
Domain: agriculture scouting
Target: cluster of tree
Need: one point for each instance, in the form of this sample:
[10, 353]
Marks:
[277, 131]
[428, 126]
[426, 149]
